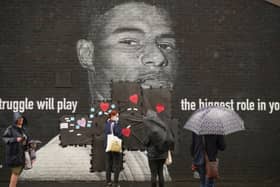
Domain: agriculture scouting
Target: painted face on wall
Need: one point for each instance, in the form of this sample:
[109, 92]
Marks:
[137, 44]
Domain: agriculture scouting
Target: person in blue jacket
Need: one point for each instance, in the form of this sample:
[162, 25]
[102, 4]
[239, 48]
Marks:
[112, 125]
[16, 140]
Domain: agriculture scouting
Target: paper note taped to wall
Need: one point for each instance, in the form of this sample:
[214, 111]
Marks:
[63, 125]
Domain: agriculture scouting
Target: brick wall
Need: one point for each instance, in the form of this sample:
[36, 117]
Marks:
[229, 49]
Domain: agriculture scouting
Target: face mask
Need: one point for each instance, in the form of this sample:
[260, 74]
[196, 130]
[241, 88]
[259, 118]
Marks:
[115, 118]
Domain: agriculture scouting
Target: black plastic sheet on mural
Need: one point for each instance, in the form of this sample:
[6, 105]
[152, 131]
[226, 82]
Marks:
[157, 99]
[132, 102]
[128, 96]
[76, 130]
[97, 154]
[79, 129]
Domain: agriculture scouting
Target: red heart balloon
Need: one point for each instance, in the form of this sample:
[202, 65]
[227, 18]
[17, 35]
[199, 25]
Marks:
[134, 98]
[126, 132]
[160, 108]
[104, 106]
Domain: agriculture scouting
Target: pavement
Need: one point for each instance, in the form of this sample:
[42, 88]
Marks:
[188, 183]
[55, 163]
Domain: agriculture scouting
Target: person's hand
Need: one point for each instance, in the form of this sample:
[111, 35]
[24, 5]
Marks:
[20, 139]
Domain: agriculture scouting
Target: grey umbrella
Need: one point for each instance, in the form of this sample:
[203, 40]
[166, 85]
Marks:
[214, 120]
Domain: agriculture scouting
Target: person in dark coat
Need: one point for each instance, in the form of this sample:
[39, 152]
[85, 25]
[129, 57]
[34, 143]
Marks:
[16, 140]
[210, 145]
[157, 154]
[113, 159]
[157, 147]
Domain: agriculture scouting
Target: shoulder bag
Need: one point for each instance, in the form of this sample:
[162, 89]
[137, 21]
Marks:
[114, 143]
[212, 167]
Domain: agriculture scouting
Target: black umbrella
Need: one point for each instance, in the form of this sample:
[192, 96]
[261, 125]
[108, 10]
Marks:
[160, 132]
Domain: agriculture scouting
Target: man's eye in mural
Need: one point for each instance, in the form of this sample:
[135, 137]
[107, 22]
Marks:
[130, 41]
[166, 46]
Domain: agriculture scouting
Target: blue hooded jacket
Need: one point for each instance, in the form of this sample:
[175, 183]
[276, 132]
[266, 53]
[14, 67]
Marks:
[15, 150]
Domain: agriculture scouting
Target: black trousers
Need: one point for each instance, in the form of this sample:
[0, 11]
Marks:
[156, 167]
[113, 164]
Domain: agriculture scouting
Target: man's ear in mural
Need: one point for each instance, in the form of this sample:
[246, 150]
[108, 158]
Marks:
[85, 51]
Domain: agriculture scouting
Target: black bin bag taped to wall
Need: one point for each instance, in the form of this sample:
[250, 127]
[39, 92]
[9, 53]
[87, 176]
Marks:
[128, 97]
[76, 129]
[132, 102]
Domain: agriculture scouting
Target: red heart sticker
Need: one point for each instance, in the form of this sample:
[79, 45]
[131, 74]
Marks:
[133, 98]
[126, 132]
[160, 108]
[104, 106]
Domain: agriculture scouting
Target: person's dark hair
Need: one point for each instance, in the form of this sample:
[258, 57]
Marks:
[96, 13]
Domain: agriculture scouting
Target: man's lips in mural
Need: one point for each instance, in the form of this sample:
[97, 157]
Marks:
[155, 80]
[156, 84]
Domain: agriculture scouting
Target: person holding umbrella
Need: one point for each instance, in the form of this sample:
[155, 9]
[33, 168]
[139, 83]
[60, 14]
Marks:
[158, 142]
[202, 146]
[16, 140]
[208, 126]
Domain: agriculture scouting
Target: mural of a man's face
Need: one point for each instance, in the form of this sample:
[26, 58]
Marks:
[137, 43]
